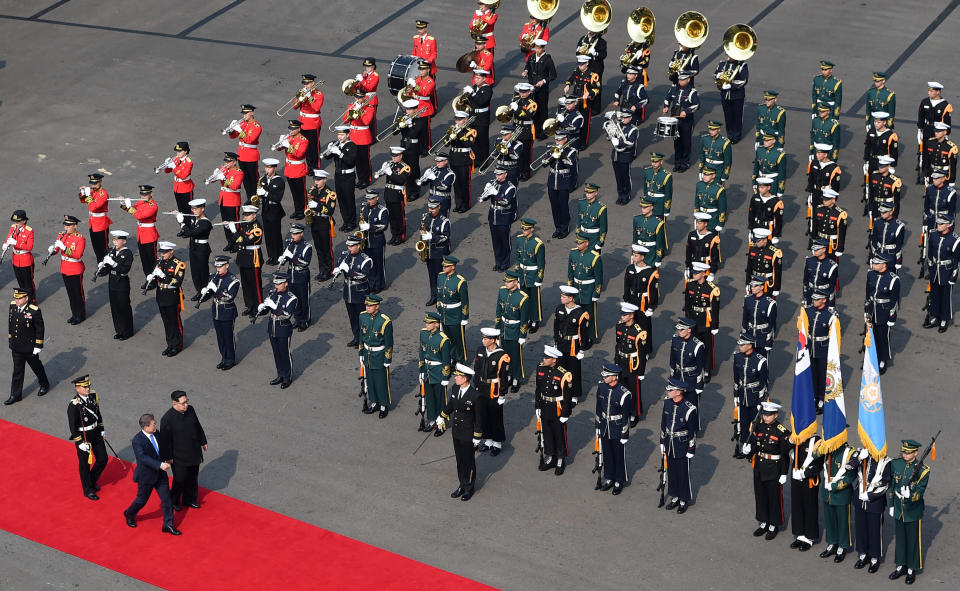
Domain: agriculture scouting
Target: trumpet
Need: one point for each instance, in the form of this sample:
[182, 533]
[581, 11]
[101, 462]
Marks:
[423, 249]
[489, 190]
[554, 152]
[328, 150]
[429, 175]
[451, 134]
[232, 125]
[175, 212]
[276, 146]
[218, 175]
[354, 111]
[168, 163]
[301, 94]
[405, 119]
[383, 170]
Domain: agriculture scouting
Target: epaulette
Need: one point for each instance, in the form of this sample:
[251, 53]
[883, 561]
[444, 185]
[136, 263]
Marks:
[187, 159]
[781, 428]
[76, 400]
[34, 307]
[386, 319]
[688, 403]
[28, 228]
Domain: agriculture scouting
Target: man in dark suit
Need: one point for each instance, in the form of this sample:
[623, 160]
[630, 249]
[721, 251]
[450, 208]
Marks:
[461, 416]
[184, 438]
[151, 473]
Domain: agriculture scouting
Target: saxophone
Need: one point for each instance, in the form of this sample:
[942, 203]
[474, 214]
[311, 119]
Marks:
[423, 249]
[360, 233]
[308, 213]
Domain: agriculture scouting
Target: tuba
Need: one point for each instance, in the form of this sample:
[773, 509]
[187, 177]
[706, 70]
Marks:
[423, 249]
[739, 43]
[641, 27]
[595, 16]
[691, 29]
[349, 87]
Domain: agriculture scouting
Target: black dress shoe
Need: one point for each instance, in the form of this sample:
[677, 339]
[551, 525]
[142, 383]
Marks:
[839, 557]
[12, 400]
[494, 451]
[193, 505]
[831, 549]
[247, 312]
[874, 567]
[759, 532]
[43, 390]
[431, 302]
[672, 505]
[383, 414]
[555, 234]
[285, 384]
[228, 366]
[606, 486]
[169, 529]
[353, 343]
[533, 327]
[943, 328]
[682, 508]
[123, 337]
[457, 493]
[544, 466]
[929, 323]
[860, 563]
[220, 365]
[276, 381]
[617, 489]
[93, 496]
[195, 298]
[343, 227]
[514, 388]
[166, 352]
[369, 410]
[174, 352]
[131, 521]
[910, 578]
[177, 508]
[896, 574]
[116, 336]
[795, 544]
[72, 320]
[770, 534]
[559, 469]
[563, 235]
[467, 495]
[804, 546]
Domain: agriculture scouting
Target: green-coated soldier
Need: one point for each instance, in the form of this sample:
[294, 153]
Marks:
[711, 198]
[512, 320]
[585, 272]
[435, 363]
[880, 98]
[770, 162]
[453, 304]
[376, 354]
[531, 256]
[650, 231]
[906, 507]
[658, 186]
[824, 129]
[592, 216]
[836, 495]
[827, 88]
[771, 119]
[716, 152]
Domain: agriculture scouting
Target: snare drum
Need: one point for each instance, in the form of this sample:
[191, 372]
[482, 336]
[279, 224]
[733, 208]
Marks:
[401, 68]
[667, 127]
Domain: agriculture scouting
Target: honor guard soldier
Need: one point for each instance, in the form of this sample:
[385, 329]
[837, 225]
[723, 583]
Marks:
[376, 355]
[584, 84]
[570, 120]
[435, 363]
[25, 323]
[880, 98]
[631, 96]
[703, 245]
[701, 302]
[571, 334]
[658, 186]
[512, 320]
[825, 130]
[280, 307]
[650, 232]
[461, 413]
[376, 220]
[711, 197]
[682, 102]
[765, 260]
[491, 367]
[585, 272]
[769, 446]
[145, 212]
[425, 46]
[553, 405]
[269, 201]
[943, 261]
[167, 278]
[70, 245]
[345, 163]
[933, 109]
[231, 178]
[524, 109]
[592, 216]
[95, 198]
[531, 255]
[356, 268]
[367, 83]
[440, 179]
[86, 432]
[633, 347]
[411, 129]
[880, 305]
[771, 120]
[320, 209]
[20, 239]
[872, 486]
[561, 179]
[685, 59]
[614, 405]
[819, 318]
[197, 227]
[907, 485]
[362, 138]
[770, 162]
[622, 156]
[679, 423]
[309, 101]
[823, 172]
[479, 94]
[249, 235]
[830, 225]
[394, 193]
[716, 152]
[641, 285]
[540, 72]
[453, 305]
[435, 233]
[938, 199]
[884, 187]
[508, 150]
[423, 89]
[296, 148]
[766, 210]
[482, 59]
[687, 358]
[463, 139]
[297, 254]
[888, 234]
[533, 30]
[827, 88]
[804, 490]
[759, 315]
[940, 153]
[223, 288]
[593, 46]
[881, 141]
[836, 495]
[247, 133]
[751, 383]
[732, 77]
[117, 264]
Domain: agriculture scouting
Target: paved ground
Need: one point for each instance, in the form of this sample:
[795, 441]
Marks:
[112, 87]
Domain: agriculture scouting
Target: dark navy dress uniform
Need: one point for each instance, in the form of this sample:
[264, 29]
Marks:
[437, 247]
[633, 97]
[613, 428]
[441, 187]
[508, 158]
[751, 381]
[873, 482]
[943, 260]
[86, 426]
[623, 154]
[688, 362]
[379, 219]
[280, 320]
[119, 291]
[198, 230]
[820, 275]
[731, 99]
[500, 216]
[298, 256]
[760, 319]
[880, 307]
[561, 179]
[937, 202]
[818, 345]
[887, 238]
[25, 328]
[805, 493]
[462, 416]
[356, 271]
[223, 290]
[678, 439]
[683, 99]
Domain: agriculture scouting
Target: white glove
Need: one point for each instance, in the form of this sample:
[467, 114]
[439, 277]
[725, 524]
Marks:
[127, 204]
[312, 204]
[5, 247]
[59, 244]
[501, 400]
[866, 167]
[863, 496]
[615, 142]
[439, 423]
[468, 89]
[386, 365]
[403, 123]
[476, 442]
[336, 150]
[385, 169]
[690, 455]
[718, 228]
[109, 260]
[52, 249]
[464, 322]
[663, 450]
[919, 136]
[514, 106]
[11, 241]
[261, 191]
[828, 484]
[863, 454]
[232, 226]
[596, 298]
[798, 474]
[838, 253]
[623, 442]
[157, 273]
[179, 218]
[431, 175]
[593, 51]
[522, 340]
[537, 284]
[426, 235]
[86, 447]
[810, 158]
[776, 293]
[343, 267]
[648, 313]
[211, 287]
[364, 227]
[285, 143]
[473, 64]
[891, 323]
[411, 81]
[261, 308]
[905, 492]
[564, 419]
[358, 78]
[746, 448]
[36, 350]
[579, 354]
[782, 479]
[445, 383]
[725, 87]
[561, 117]
[287, 254]
[236, 127]
[714, 331]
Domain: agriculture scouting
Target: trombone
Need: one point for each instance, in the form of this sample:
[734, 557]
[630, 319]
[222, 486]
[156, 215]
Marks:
[396, 123]
[500, 150]
[168, 163]
[554, 152]
[353, 111]
[301, 94]
[450, 135]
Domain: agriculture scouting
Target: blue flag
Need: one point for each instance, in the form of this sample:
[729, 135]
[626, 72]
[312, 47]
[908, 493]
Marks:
[870, 421]
[803, 408]
[834, 407]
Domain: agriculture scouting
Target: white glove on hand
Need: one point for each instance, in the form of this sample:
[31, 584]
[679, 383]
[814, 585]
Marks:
[364, 227]
[386, 365]
[564, 419]
[127, 203]
[714, 331]
[522, 340]
[746, 448]
[270, 304]
[690, 455]
[476, 442]
[615, 142]
[596, 298]
[891, 323]
[798, 474]
[312, 204]
[623, 442]
[725, 87]
[232, 227]
[445, 383]
[211, 287]
[464, 322]
[411, 81]
[905, 492]
[59, 244]
[336, 150]
[473, 64]
[468, 89]
[261, 308]
[179, 218]
[663, 449]
[863, 454]
[358, 78]
[426, 235]
[648, 313]
[579, 354]
[86, 447]
[404, 123]
[919, 136]
[287, 254]
[501, 400]
[838, 253]
[11, 241]
[782, 479]
[593, 51]
[285, 143]
[343, 268]
[514, 106]
[863, 496]
[36, 350]
[828, 484]
[810, 158]
[109, 260]
[157, 273]
[866, 167]
[261, 191]
[439, 423]
[52, 249]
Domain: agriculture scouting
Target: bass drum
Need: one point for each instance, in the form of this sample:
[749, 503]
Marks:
[667, 127]
[401, 68]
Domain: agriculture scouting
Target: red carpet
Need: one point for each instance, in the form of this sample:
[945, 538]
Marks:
[228, 544]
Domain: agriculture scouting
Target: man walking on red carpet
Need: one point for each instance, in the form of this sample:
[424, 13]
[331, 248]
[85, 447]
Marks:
[151, 473]
[185, 443]
[86, 432]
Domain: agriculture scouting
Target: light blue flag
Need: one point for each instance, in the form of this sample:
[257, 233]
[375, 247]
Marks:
[870, 421]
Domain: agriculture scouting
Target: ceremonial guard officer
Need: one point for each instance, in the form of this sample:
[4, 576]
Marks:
[478, 97]
[623, 154]
[145, 212]
[766, 210]
[770, 162]
[880, 98]
[827, 88]
[512, 320]
[593, 46]
[711, 197]
[682, 102]
[117, 264]
[823, 172]
[819, 318]
[943, 262]
[658, 186]
[540, 72]
[687, 359]
[425, 46]
[296, 149]
[585, 272]
[269, 194]
[732, 77]
[197, 227]
[86, 432]
[939, 198]
[345, 175]
[435, 362]
[766, 260]
[376, 355]
[440, 179]
[230, 178]
[614, 406]
[553, 405]
[435, 233]
[508, 150]
[631, 96]
[70, 245]
[356, 268]
[804, 490]
[907, 485]
[650, 232]
[883, 187]
[632, 350]
[376, 219]
[679, 423]
[751, 383]
[872, 485]
[319, 216]
[716, 152]
[461, 413]
[881, 141]
[933, 109]
[819, 274]
[759, 315]
[570, 120]
[703, 245]
[95, 198]
[223, 288]
[394, 193]
[888, 234]
[562, 169]
[769, 446]
[167, 278]
[249, 235]
[592, 216]
[531, 255]
[247, 133]
[701, 302]
[571, 334]
[829, 224]
[309, 101]
[358, 119]
[685, 59]
[584, 84]
[492, 374]
[524, 109]
[453, 305]
[411, 128]
[836, 495]
[771, 119]
[500, 217]
[280, 307]
[25, 337]
[297, 254]
[940, 153]
[880, 306]
[825, 130]
[641, 285]
[20, 239]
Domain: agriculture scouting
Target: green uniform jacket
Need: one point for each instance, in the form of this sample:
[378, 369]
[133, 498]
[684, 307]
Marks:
[825, 131]
[585, 272]
[717, 154]
[435, 357]
[531, 259]
[910, 509]
[512, 315]
[592, 220]
[650, 232]
[881, 100]
[827, 89]
[658, 189]
[771, 162]
[376, 340]
[842, 490]
[453, 300]
[712, 198]
[772, 120]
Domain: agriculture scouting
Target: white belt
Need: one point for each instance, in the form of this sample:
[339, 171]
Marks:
[449, 306]
[422, 98]
[225, 189]
[584, 281]
[493, 381]
[374, 93]
[349, 170]
[359, 127]
[530, 267]
[714, 161]
[432, 362]
[374, 349]
[69, 259]
[527, 122]
[481, 110]
[88, 428]
[147, 225]
[288, 162]
[461, 149]
[97, 215]
[510, 321]
[486, 35]
[255, 247]
[15, 251]
[413, 141]
[769, 456]
[657, 194]
[394, 187]
[309, 115]
[709, 209]
[246, 145]
[198, 241]
[615, 417]
[589, 230]
[180, 180]
[653, 243]
[573, 337]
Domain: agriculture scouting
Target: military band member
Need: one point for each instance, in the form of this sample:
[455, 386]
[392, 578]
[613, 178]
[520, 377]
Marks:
[70, 245]
[572, 336]
[462, 140]
[440, 180]
[86, 432]
[479, 94]
[553, 405]
[231, 179]
[117, 264]
[823, 172]
[880, 305]
[770, 162]
[819, 319]
[531, 255]
[687, 359]
[435, 364]
[943, 262]
[751, 383]
[309, 101]
[703, 245]
[394, 193]
[881, 142]
[623, 154]
[249, 235]
[633, 347]
[512, 320]
[524, 109]
[908, 484]
[491, 366]
[940, 154]
[759, 318]
[872, 485]
[167, 279]
[25, 337]
[827, 88]
[769, 445]
[701, 302]
[425, 45]
[247, 133]
[461, 413]
[533, 30]
[804, 490]
[561, 179]
[321, 205]
[435, 232]
[836, 495]
[684, 59]
[453, 305]
[638, 58]
[771, 120]
[592, 45]
[732, 76]
[345, 159]
[223, 288]
[934, 108]
[297, 254]
[592, 216]
[585, 272]
[145, 212]
[367, 83]
[411, 128]
[508, 150]
[197, 227]
[766, 260]
[939, 198]
[888, 234]
[356, 268]
[540, 72]
[570, 120]
[631, 96]
[650, 232]
[682, 102]
[658, 186]
[20, 239]
[829, 224]
[883, 187]
[95, 198]
[614, 404]
[280, 307]
[359, 119]
[483, 20]
[296, 149]
[825, 130]
[716, 152]
[423, 89]
[678, 443]
[376, 355]
[376, 220]
[711, 197]
[269, 195]
[880, 98]
[585, 85]
[482, 59]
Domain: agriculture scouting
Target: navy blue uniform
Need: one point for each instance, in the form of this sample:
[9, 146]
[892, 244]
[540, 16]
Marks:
[502, 213]
[561, 179]
[686, 100]
[818, 343]
[223, 290]
[732, 98]
[760, 319]
[437, 247]
[688, 362]
[873, 481]
[356, 271]
[441, 187]
[880, 309]
[887, 238]
[936, 202]
[379, 219]
[624, 153]
[614, 404]
[678, 438]
[943, 258]
[751, 382]
[632, 96]
[280, 320]
[508, 158]
[298, 255]
[822, 275]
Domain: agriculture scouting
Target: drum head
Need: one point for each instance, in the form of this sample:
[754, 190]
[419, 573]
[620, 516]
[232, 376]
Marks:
[401, 68]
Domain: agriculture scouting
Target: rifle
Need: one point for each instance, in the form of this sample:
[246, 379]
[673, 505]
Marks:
[539, 437]
[924, 245]
[919, 162]
[662, 487]
[204, 296]
[917, 467]
[422, 404]
[865, 198]
[363, 386]
[863, 336]
[735, 438]
[598, 462]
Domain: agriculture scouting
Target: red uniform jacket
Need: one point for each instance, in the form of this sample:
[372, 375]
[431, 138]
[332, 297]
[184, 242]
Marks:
[146, 214]
[97, 204]
[295, 166]
[230, 188]
[360, 128]
[532, 30]
[424, 93]
[484, 61]
[425, 47]
[488, 19]
[310, 110]
[71, 258]
[249, 137]
[22, 257]
[369, 86]
[182, 169]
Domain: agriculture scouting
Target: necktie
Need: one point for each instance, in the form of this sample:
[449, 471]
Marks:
[156, 447]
